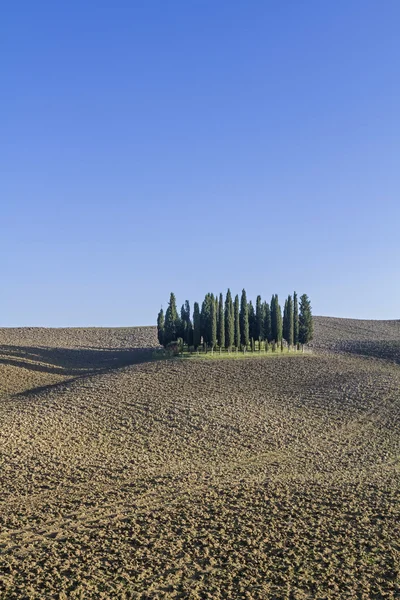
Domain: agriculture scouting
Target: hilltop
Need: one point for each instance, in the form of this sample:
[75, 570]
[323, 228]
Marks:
[376, 339]
[125, 477]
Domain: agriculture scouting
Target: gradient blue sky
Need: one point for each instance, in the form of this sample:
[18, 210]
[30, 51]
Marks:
[195, 145]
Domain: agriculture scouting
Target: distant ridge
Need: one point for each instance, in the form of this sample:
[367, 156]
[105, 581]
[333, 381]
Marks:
[367, 337]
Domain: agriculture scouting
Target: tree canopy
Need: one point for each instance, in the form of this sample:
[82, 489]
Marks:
[226, 324]
[305, 320]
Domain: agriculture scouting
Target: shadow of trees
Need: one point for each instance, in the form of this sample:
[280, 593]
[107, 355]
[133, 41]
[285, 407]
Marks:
[72, 362]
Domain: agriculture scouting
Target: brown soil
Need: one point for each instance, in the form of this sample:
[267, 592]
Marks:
[375, 339]
[121, 477]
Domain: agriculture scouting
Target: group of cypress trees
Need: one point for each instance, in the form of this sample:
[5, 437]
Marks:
[228, 324]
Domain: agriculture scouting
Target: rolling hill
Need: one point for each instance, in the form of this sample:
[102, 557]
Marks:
[125, 477]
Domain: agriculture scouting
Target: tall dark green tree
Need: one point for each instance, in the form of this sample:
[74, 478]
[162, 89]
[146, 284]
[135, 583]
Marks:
[244, 320]
[259, 329]
[205, 318]
[160, 327]
[187, 310]
[213, 322]
[236, 317]
[172, 321]
[189, 334]
[221, 322]
[285, 321]
[252, 321]
[306, 329]
[279, 320]
[229, 321]
[188, 325]
[295, 319]
[185, 324]
[180, 325]
[276, 319]
[267, 322]
[289, 326]
[196, 325]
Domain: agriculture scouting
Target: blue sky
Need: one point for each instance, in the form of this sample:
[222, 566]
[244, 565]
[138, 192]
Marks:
[191, 146]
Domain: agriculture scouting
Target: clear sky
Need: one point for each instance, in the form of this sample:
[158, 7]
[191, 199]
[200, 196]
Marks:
[194, 145]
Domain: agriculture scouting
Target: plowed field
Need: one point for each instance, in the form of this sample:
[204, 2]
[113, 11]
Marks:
[125, 477]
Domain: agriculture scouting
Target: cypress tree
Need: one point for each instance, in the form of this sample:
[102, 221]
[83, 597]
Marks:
[229, 321]
[185, 324]
[213, 321]
[187, 310]
[181, 324]
[172, 322]
[188, 326]
[196, 325]
[295, 319]
[290, 321]
[285, 321]
[236, 321]
[189, 334]
[259, 332]
[279, 320]
[208, 319]
[205, 319]
[221, 322]
[267, 322]
[160, 327]
[252, 320]
[274, 319]
[244, 320]
[306, 328]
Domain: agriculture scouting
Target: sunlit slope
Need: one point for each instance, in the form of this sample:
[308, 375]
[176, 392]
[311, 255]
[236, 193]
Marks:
[193, 477]
[33, 357]
[376, 339]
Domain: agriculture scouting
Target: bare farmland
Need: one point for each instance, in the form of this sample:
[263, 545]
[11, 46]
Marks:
[121, 477]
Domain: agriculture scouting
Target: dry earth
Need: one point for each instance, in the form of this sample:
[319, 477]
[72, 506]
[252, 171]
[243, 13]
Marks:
[376, 339]
[122, 477]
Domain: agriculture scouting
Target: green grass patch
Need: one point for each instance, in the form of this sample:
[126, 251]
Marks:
[216, 355]
[164, 354]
